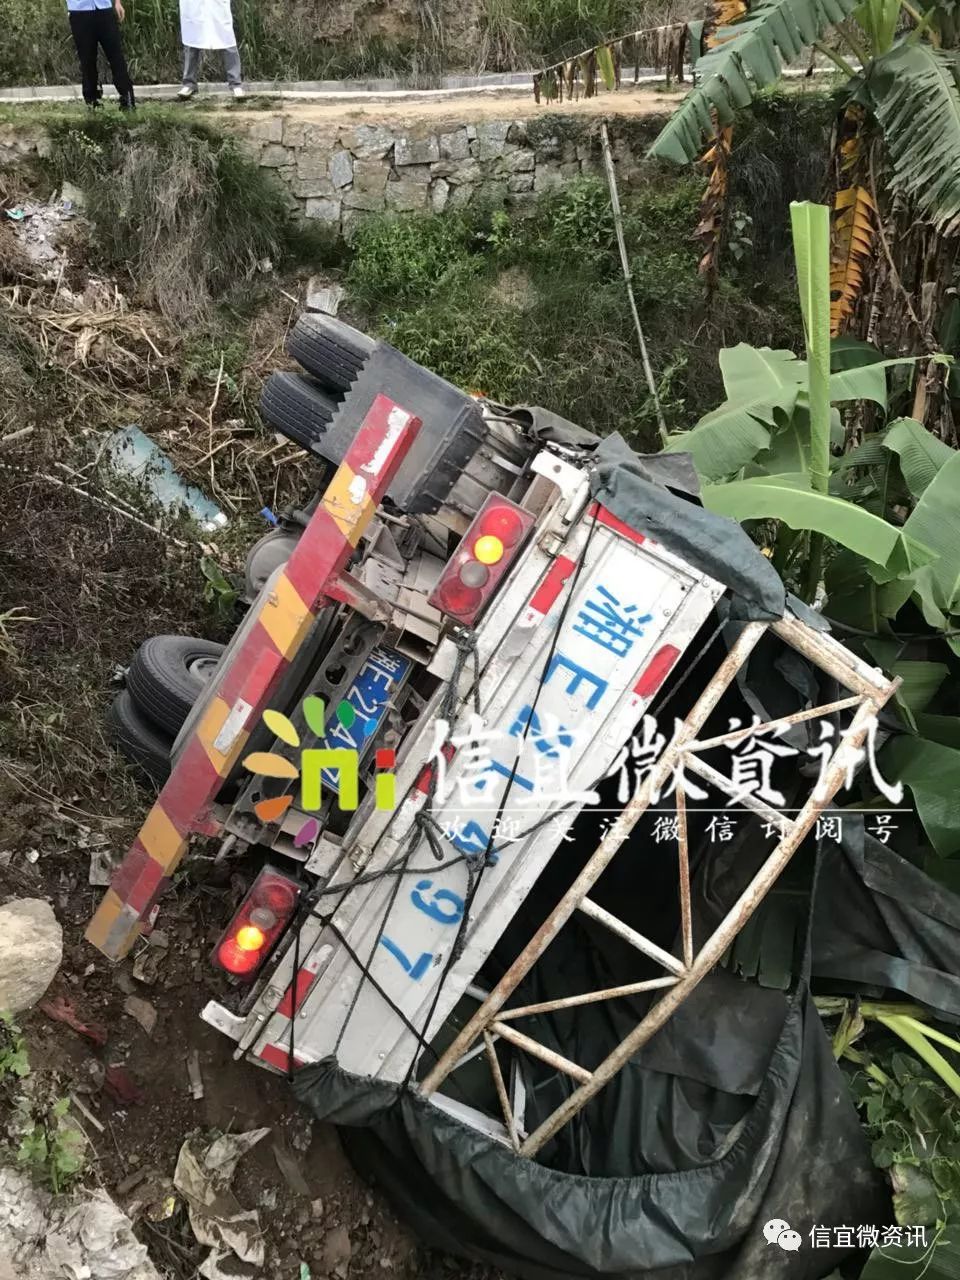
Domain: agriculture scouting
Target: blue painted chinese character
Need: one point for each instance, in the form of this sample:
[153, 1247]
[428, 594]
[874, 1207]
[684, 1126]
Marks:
[608, 623]
[579, 675]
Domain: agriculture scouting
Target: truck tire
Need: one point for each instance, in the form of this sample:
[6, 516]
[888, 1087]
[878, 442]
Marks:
[333, 352]
[297, 407]
[143, 744]
[168, 674]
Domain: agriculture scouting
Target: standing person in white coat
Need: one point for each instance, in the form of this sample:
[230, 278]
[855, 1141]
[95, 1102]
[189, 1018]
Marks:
[208, 24]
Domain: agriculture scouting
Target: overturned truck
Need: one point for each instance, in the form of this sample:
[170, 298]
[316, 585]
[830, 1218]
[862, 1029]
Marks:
[465, 940]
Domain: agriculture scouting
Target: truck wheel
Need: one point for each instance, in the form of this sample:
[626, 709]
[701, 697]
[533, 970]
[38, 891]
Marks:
[138, 739]
[168, 674]
[297, 406]
[329, 349]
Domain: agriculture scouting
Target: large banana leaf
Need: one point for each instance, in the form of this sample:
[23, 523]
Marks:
[790, 499]
[930, 771]
[758, 381]
[748, 55]
[935, 521]
[921, 453]
[915, 92]
[939, 1262]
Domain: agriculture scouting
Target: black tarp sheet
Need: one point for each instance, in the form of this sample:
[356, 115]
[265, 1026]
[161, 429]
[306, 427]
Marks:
[736, 1113]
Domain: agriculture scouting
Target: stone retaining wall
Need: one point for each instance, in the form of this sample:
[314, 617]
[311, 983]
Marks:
[340, 174]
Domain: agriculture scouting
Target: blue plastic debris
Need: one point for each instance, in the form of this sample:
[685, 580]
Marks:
[269, 516]
[134, 454]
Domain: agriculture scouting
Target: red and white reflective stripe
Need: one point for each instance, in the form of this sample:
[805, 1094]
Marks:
[547, 592]
[279, 1056]
[655, 672]
[605, 517]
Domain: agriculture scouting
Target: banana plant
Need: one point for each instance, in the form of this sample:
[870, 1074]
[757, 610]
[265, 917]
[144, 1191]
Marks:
[907, 83]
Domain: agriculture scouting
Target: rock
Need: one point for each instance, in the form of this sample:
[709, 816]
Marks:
[492, 138]
[293, 132]
[520, 182]
[340, 168]
[417, 173]
[454, 146]
[416, 150]
[570, 169]
[317, 1207]
[461, 196]
[323, 210]
[519, 162]
[547, 178]
[267, 129]
[367, 141]
[350, 221]
[369, 177]
[466, 171]
[314, 188]
[31, 947]
[274, 155]
[325, 298]
[141, 1011]
[440, 193]
[337, 1249]
[312, 164]
[367, 201]
[407, 197]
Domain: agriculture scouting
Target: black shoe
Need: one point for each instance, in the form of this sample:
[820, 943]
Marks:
[128, 102]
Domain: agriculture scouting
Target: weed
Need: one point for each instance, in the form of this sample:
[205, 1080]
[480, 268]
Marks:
[52, 1151]
[14, 1060]
[176, 206]
[407, 257]
[218, 590]
[518, 32]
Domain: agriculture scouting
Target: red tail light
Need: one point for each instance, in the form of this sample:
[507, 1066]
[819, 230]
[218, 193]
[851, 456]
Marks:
[484, 555]
[263, 915]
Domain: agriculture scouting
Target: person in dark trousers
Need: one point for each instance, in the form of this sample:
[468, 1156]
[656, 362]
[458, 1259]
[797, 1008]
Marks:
[95, 25]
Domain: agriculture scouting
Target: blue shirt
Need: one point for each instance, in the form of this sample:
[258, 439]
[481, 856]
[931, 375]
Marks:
[86, 6]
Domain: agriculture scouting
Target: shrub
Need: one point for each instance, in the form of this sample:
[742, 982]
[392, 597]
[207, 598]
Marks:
[404, 257]
[175, 205]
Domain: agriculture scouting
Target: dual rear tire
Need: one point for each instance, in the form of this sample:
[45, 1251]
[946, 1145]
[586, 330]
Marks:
[165, 678]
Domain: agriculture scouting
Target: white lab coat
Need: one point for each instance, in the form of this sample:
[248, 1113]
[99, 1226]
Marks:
[207, 24]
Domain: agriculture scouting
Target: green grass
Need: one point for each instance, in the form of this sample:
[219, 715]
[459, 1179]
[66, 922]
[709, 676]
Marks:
[178, 210]
[534, 309]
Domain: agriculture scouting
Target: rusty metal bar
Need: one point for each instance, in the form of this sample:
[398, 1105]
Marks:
[728, 787]
[587, 997]
[715, 947]
[649, 949]
[619, 830]
[538, 1050]
[683, 871]
[501, 1089]
[755, 730]
[828, 654]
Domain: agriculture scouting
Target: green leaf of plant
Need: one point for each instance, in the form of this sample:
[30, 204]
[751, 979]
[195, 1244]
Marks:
[920, 679]
[750, 54]
[935, 521]
[758, 381]
[930, 771]
[789, 498]
[915, 92]
[911, 1262]
[605, 65]
[811, 247]
[867, 382]
[915, 1198]
[921, 454]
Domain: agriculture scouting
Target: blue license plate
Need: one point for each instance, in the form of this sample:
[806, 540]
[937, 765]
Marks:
[375, 684]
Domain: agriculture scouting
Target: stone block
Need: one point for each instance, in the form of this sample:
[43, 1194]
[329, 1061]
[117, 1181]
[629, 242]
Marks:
[274, 155]
[324, 211]
[517, 133]
[314, 187]
[439, 195]
[494, 193]
[547, 178]
[367, 141]
[406, 197]
[570, 169]
[352, 219]
[340, 168]
[471, 132]
[370, 176]
[411, 150]
[520, 182]
[366, 201]
[466, 171]
[416, 173]
[293, 132]
[454, 146]
[460, 197]
[519, 162]
[443, 168]
[492, 138]
[312, 164]
[268, 128]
